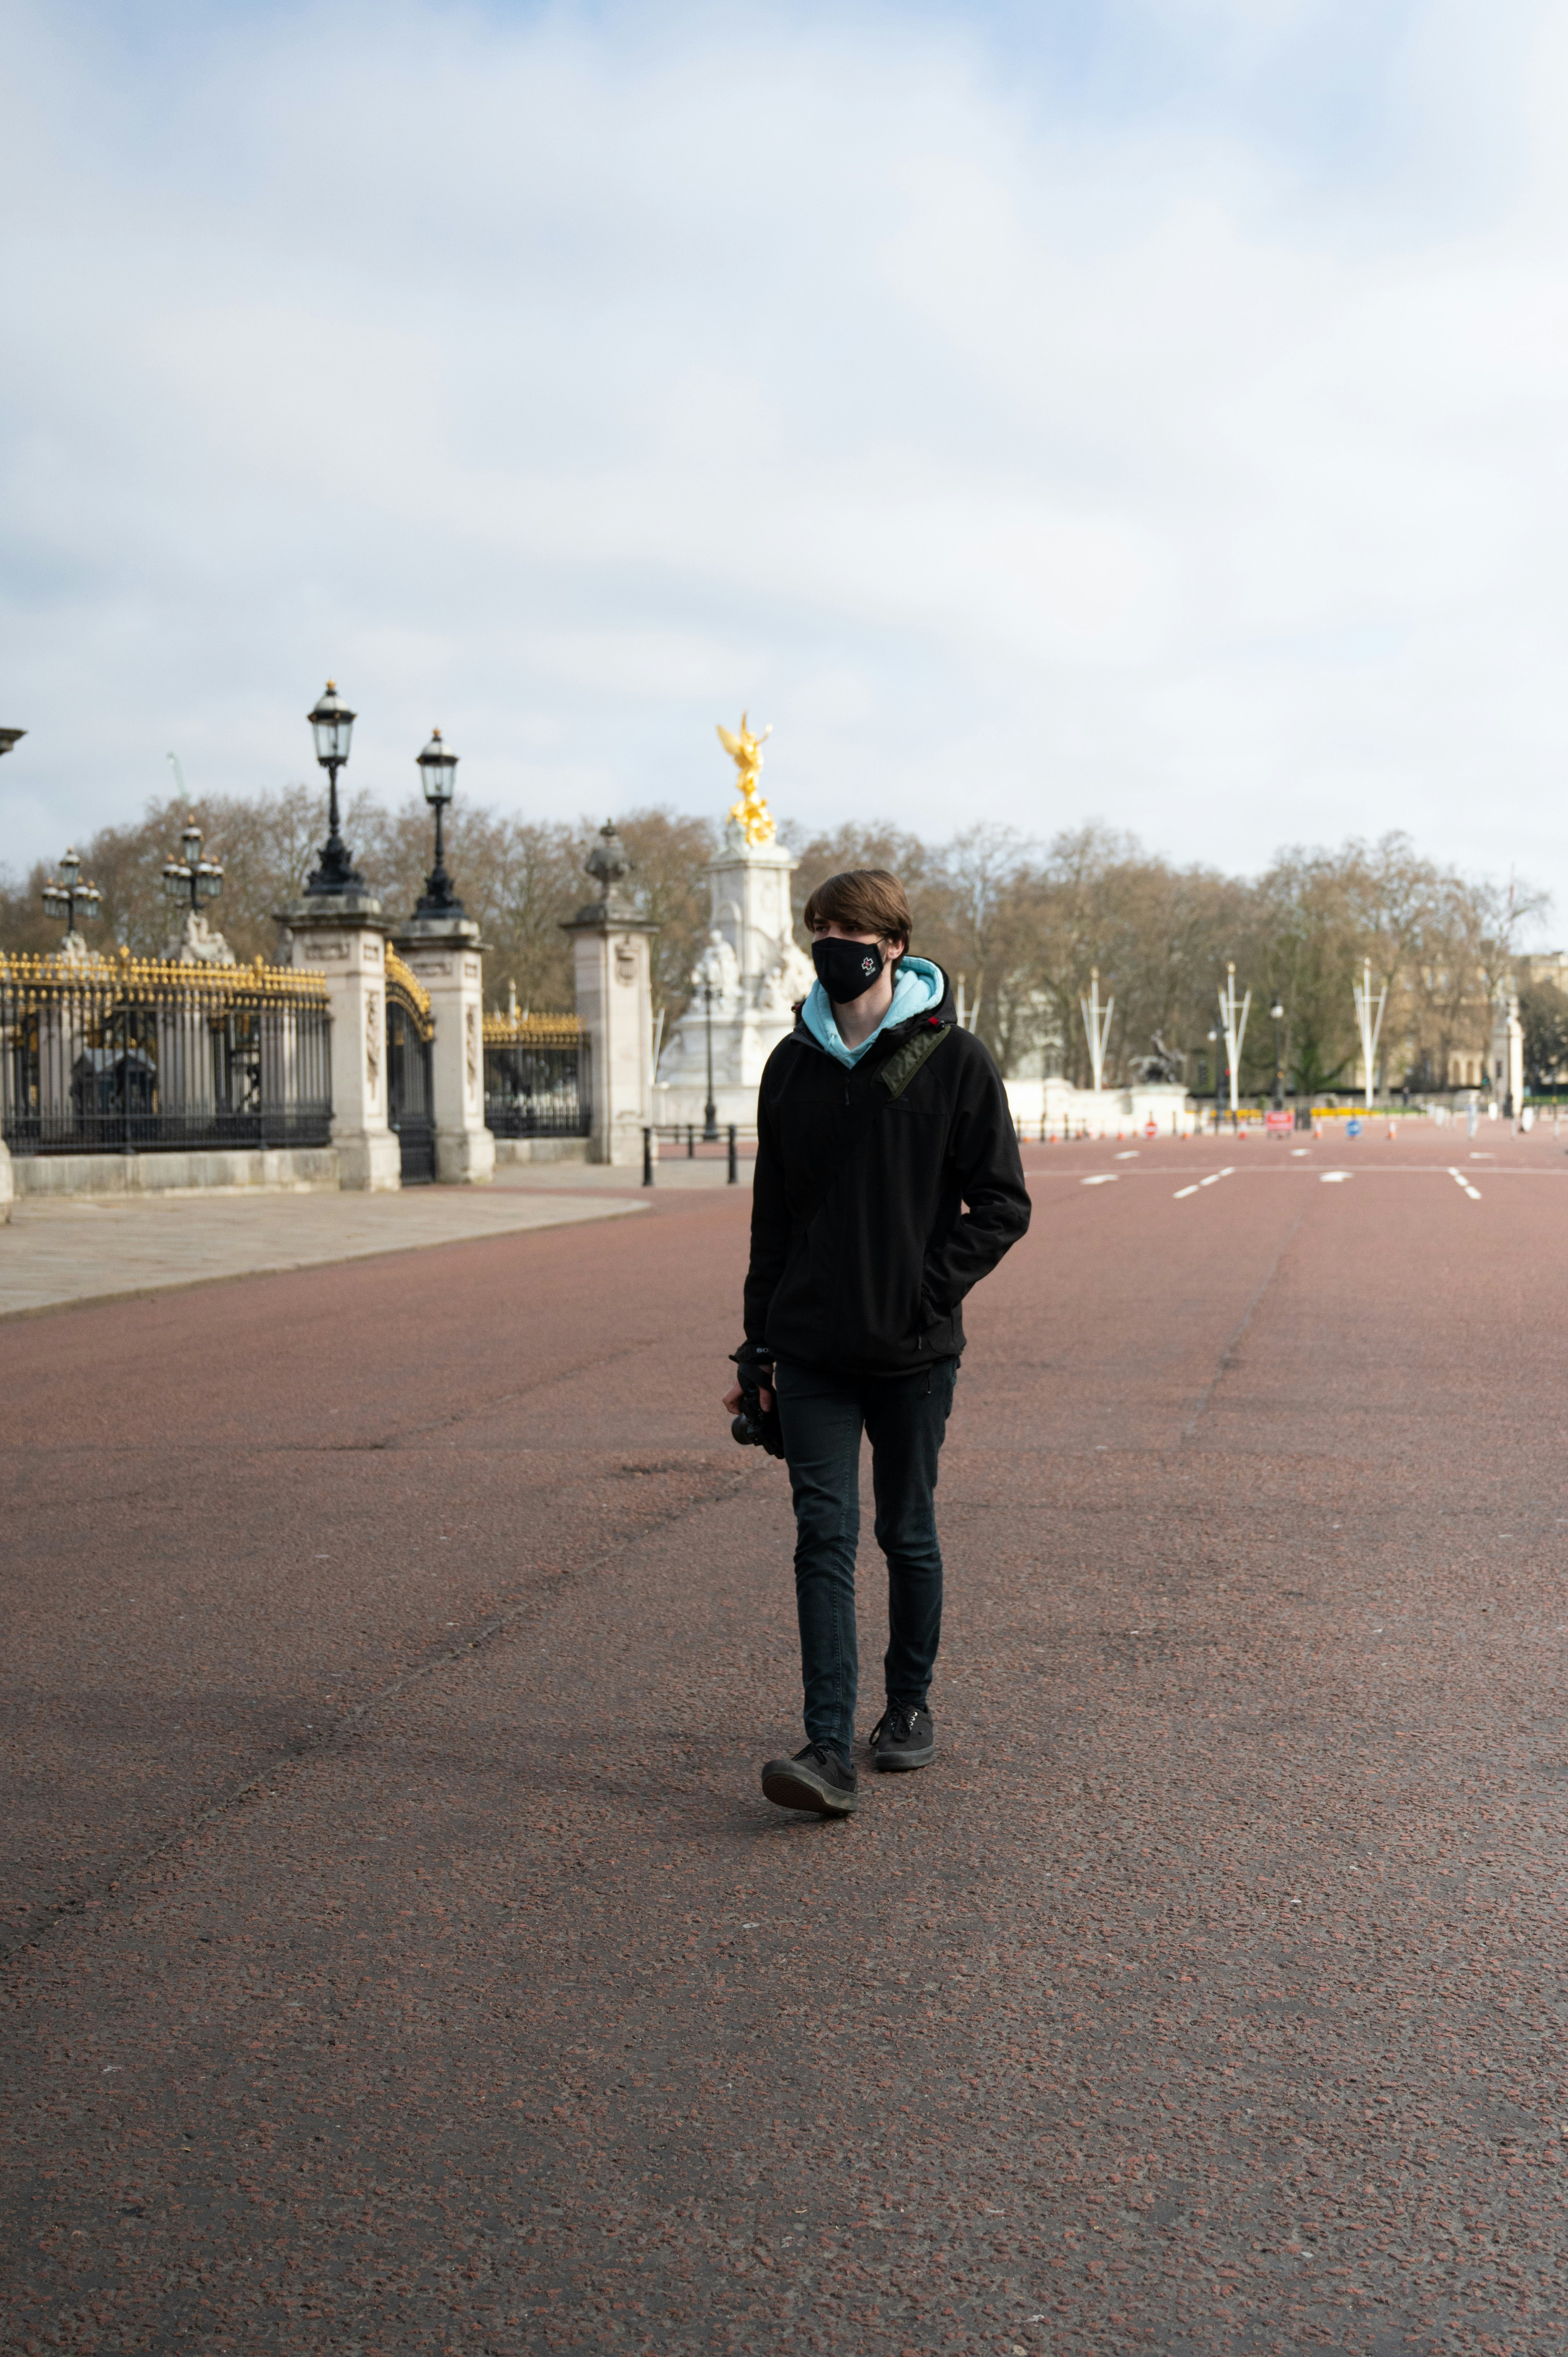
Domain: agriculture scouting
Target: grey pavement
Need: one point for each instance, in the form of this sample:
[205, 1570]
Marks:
[57, 1251]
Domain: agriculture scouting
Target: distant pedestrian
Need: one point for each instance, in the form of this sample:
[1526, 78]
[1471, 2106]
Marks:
[888, 1183]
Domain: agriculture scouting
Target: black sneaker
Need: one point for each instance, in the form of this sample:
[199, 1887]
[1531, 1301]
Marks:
[904, 1736]
[815, 1778]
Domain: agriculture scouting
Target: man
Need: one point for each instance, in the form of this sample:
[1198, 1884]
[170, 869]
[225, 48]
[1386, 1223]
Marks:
[888, 1183]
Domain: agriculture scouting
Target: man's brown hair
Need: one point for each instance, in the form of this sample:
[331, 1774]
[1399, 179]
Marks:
[862, 900]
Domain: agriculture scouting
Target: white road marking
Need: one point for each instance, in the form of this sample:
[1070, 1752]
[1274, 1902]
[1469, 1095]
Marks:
[1213, 1181]
[1130, 1155]
[1460, 1180]
[1301, 1149]
[1333, 1178]
[1100, 1179]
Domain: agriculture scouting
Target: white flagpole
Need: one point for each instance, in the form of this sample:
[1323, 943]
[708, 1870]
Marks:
[1097, 1027]
[1235, 1032]
[1368, 1026]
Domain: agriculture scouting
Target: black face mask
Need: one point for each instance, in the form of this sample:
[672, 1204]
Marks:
[846, 968]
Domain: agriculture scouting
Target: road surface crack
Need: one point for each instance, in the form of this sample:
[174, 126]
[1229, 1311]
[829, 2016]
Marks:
[333, 1738]
[1231, 1354]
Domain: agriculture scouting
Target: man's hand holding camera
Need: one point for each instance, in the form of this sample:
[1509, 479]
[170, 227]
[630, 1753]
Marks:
[750, 1400]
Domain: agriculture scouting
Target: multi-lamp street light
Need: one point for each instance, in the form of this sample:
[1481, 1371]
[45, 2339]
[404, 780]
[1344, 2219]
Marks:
[189, 881]
[67, 896]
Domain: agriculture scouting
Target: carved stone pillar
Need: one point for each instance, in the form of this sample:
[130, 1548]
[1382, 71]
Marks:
[610, 950]
[443, 952]
[343, 936]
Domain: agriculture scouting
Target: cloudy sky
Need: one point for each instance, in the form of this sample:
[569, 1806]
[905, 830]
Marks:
[1149, 410]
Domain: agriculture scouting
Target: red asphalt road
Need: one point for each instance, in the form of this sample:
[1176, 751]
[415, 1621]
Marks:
[403, 1959]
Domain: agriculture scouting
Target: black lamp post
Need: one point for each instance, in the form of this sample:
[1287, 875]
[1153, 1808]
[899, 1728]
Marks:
[438, 774]
[67, 896]
[710, 1110]
[1277, 1017]
[189, 881]
[332, 724]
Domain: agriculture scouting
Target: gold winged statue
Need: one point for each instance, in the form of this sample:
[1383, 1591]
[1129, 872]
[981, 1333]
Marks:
[750, 814]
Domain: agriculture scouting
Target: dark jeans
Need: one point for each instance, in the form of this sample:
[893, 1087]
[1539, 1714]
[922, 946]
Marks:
[905, 1417]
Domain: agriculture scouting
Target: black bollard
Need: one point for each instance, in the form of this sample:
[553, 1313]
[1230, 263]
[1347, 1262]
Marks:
[734, 1171]
[647, 1158]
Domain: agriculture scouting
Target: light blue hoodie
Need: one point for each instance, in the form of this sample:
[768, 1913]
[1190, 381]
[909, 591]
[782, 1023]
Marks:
[918, 988]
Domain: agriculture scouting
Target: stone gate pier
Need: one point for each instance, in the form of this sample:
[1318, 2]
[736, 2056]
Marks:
[343, 937]
[444, 953]
[610, 943]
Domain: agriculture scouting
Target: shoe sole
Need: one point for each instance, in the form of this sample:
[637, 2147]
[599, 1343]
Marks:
[788, 1789]
[893, 1760]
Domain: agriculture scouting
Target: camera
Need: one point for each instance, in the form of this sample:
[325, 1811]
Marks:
[756, 1427]
[748, 1426]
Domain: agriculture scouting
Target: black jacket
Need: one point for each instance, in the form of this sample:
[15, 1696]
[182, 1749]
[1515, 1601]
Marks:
[868, 1276]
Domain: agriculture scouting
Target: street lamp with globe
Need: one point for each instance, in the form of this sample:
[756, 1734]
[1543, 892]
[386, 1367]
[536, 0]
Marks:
[1277, 1017]
[709, 978]
[1219, 1076]
[438, 775]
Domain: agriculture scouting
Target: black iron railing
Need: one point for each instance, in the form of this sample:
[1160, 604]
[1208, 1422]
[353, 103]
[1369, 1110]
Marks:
[536, 1076]
[691, 1141]
[121, 1055]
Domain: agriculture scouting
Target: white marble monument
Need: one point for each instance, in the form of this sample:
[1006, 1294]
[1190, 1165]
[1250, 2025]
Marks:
[751, 973]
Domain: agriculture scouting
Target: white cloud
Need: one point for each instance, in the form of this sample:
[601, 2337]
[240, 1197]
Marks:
[1024, 437]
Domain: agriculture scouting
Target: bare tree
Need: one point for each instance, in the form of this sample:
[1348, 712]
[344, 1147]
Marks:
[669, 856]
[878, 845]
[1024, 927]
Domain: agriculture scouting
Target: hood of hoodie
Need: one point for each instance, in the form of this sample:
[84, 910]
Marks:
[919, 987]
